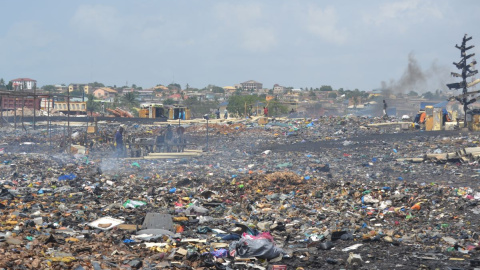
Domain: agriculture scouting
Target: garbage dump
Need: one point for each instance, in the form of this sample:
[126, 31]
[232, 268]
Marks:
[327, 193]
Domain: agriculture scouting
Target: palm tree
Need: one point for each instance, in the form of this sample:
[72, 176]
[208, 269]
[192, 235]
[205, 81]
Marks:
[130, 100]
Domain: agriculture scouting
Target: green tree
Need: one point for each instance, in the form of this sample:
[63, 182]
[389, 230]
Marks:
[275, 108]
[48, 88]
[116, 102]
[169, 101]
[237, 104]
[191, 101]
[332, 95]
[130, 100]
[428, 95]
[199, 108]
[326, 88]
[217, 89]
[2, 82]
[174, 87]
[134, 86]
[97, 84]
[412, 94]
[91, 104]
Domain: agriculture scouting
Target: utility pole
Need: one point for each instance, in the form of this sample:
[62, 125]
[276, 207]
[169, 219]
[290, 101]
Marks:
[207, 117]
[34, 103]
[467, 70]
[68, 123]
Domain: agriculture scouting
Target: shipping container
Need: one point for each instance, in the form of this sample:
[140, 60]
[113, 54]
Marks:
[10, 103]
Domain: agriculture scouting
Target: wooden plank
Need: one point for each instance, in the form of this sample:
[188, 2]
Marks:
[180, 154]
[469, 150]
[440, 157]
[127, 227]
[166, 157]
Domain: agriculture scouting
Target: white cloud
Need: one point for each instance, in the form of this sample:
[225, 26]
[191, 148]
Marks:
[324, 23]
[248, 23]
[97, 20]
[404, 14]
[258, 39]
[29, 34]
[238, 13]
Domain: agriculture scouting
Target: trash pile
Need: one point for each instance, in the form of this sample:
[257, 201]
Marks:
[292, 194]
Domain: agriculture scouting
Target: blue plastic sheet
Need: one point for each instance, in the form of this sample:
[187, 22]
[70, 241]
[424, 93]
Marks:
[67, 177]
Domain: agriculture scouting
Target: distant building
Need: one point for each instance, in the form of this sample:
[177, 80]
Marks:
[176, 97]
[104, 93]
[24, 84]
[160, 87]
[251, 85]
[123, 91]
[278, 89]
[145, 94]
[87, 89]
[61, 88]
[229, 88]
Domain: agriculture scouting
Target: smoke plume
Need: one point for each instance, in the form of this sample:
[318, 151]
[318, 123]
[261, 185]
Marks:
[418, 80]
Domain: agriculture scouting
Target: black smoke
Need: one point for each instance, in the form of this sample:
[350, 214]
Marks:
[418, 80]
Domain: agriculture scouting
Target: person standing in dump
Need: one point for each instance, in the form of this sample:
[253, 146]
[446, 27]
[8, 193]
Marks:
[169, 138]
[225, 115]
[385, 108]
[217, 113]
[119, 142]
[265, 111]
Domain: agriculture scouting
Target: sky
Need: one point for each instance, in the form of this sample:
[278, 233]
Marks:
[353, 44]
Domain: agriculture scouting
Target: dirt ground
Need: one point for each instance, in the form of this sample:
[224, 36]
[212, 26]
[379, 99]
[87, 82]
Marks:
[318, 191]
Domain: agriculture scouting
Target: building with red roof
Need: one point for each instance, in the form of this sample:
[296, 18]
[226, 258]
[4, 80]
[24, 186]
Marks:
[24, 84]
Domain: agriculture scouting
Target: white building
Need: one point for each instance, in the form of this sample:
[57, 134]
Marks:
[24, 84]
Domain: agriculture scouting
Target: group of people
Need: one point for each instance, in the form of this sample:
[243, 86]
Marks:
[119, 145]
[225, 114]
[169, 138]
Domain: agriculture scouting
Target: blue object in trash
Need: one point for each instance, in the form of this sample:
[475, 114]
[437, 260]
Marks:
[172, 190]
[219, 253]
[67, 177]
[231, 236]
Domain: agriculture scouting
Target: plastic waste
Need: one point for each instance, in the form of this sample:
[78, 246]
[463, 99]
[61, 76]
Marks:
[133, 204]
[261, 246]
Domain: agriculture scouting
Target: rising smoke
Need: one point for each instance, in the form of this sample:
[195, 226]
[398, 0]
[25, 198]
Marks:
[417, 80]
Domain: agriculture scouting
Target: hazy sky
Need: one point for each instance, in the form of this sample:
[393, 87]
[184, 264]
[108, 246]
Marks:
[348, 44]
